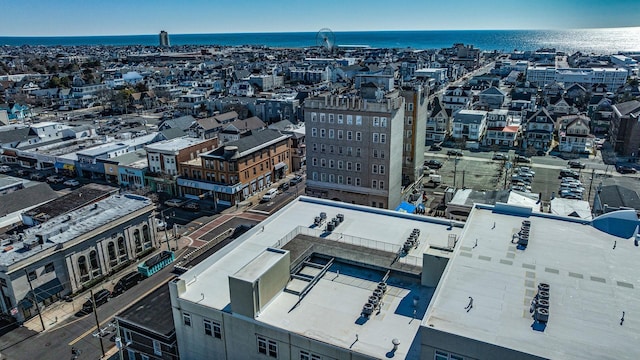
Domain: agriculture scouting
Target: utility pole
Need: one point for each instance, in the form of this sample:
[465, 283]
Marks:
[593, 174]
[35, 299]
[166, 236]
[95, 313]
[455, 170]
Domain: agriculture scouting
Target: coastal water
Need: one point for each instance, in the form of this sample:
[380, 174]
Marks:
[601, 41]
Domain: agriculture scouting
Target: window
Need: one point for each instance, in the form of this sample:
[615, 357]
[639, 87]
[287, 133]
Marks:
[349, 119]
[358, 152]
[267, 347]
[375, 153]
[49, 268]
[349, 135]
[331, 163]
[323, 133]
[381, 169]
[340, 134]
[32, 275]
[314, 132]
[383, 122]
[410, 106]
[340, 164]
[314, 161]
[374, 184]
[315, 146]
[322, 117]
[383, 138]
[358, 120]
[348, 180]
[156, 348]
[339, 118]
[340, 179]
[186, 318]
[374, 169]
[381, 185]
[323, 162]
[305, 355]
[212, 328]
[330, 118]
[127, 335]
[331, 134]
[314, 175]
[332, 178]
[314, 117]
[349, 165]
[376, 137]
[358, 166]
[357, 182]
[358, 136]
[443, 355]
[323, 148]
[376, 121]
[323, 177]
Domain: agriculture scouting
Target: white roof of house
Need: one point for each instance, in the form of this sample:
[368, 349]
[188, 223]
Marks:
[593, 278]
[329, 312]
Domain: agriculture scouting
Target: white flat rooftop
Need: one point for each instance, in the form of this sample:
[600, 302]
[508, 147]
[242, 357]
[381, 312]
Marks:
[593, 278]
[317, 316]
[174, 145]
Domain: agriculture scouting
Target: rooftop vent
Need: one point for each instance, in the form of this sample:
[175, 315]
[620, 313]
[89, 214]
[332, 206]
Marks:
[540, 306]
[523, 235]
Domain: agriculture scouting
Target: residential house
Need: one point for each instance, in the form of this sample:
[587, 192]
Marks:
[493, 97]
[233, 172]
[625, 128]
[242, 88]
[469, 125]
[613, 198]
[191, 103]
[238, 128]
[456, 98]
[560, 105]
[502, 130]
[209, 127]
[438, 126]
[574, 134]
[538, 130]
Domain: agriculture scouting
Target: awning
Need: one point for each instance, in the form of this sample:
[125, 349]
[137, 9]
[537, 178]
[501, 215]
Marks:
[69, 167]
[26, 303]
[26, 159]
[279, 166]
[405, 207]
[48, 290]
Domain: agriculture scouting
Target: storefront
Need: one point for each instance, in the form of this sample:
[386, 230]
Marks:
[222, 194]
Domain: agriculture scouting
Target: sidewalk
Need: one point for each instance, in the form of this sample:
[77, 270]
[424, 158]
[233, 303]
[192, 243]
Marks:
[57, 312]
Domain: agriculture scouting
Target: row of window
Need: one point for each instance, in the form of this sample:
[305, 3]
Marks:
[340, 135]
[211, 328]
[348, 151]
[341, 119]
[322, 162]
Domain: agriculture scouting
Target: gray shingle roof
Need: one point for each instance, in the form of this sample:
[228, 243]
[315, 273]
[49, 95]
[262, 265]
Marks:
[619, 196]
[25, 198]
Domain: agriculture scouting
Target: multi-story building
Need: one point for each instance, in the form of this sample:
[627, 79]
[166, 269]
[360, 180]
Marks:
[625, 129]
[67, 253]
[163, 39]
[163, 159]
[438, 123]
[469, 125]
[355, 146]
[456, 98]
[285, 288]
[233, 172]
[538, 130]
[501, 129]
[279, 107]
[415, 123]
[613, 78]
[574, 134]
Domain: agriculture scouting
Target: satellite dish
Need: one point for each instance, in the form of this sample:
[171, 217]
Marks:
[326, 39]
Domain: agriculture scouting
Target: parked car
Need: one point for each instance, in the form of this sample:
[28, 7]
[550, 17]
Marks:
[37, 176]
[569, 173]
[283, 187]
[71, 182]
[269, 195]
[433, 164]
[435, 147]
[296, 180]
[101, 297]
[191, 206]
[174, 202]
[4, 169]
[499, 156]
[624, 169]
[127, 282]
[455, 152]
[576, 164]
[23, 172]
[522, 159]
[55, 179]
[527, 169]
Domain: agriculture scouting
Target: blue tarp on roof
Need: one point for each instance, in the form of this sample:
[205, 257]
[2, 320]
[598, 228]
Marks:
[621, 223]
[405, 207]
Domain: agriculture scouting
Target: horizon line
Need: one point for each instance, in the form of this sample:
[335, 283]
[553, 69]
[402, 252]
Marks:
[311, 32]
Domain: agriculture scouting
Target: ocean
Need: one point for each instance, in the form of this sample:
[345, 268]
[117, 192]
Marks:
[599, 41]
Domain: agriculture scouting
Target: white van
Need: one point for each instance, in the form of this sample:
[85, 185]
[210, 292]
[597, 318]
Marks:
[269, 195]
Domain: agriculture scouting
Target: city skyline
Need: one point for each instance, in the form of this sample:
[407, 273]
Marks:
[82, 18]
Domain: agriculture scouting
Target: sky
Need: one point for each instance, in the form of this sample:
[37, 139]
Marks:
[136, 17]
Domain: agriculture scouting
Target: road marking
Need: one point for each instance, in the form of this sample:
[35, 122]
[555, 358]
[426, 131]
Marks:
[107, 320]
